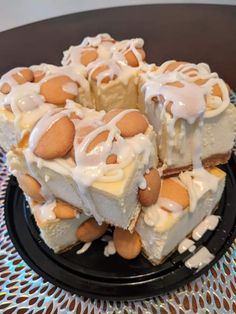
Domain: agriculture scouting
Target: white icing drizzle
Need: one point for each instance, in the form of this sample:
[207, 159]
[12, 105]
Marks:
[70, 88]
[109, 249]
[84, 248]
[143, 183]
[88, 116]
[27, 105]
[155, 216]
[113, 69]
[192, 248]
[45, 68]
[102, 43]
[120, 48]
[198, 182]
[185, 245]
[44, 124]
[169, 205]
[200, 70]
[187, 101]
[200, 259]
[46, 178]
[8, 77]
[96, 40]
[45, 212]
[76, 73]
[184, 99]
[107, 49]
[209, 223]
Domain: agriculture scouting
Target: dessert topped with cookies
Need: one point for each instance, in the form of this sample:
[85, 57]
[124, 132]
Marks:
[107, 141]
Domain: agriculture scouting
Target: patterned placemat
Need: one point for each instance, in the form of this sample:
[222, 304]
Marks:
[23, 291]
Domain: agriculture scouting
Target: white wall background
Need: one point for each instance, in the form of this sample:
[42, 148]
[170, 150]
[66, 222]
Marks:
[14, 13]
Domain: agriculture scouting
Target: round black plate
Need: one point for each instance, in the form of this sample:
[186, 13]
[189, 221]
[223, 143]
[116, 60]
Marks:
[94, 275]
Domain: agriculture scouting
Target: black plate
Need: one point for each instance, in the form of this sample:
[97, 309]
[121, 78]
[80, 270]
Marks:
[94, 275]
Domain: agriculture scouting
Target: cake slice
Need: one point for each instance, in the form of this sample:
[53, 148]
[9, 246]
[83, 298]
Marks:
[182, 204]
[91, 160]
[113, 85]
[188, 107]
[113, 68]
[26, 94]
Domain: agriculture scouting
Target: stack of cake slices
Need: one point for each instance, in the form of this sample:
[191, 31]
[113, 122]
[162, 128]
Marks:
[109, 141]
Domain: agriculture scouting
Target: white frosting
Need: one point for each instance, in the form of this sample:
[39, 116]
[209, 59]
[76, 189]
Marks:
[70, 88]
[26, 104]
[120, 48]
[189, 71]
[200, 259]
[185, 245]
[192, 248]
[45, 212]
[198, 182]
[189, 101]
[84, 248]
[169, 205]
[209, 223]
[102, 43]
[109, 249]
[76, 73]
[45, 68]
[143, 183]
[8, 77]
[155, 216]
[113, 69]
[107, 50]
[96, 40]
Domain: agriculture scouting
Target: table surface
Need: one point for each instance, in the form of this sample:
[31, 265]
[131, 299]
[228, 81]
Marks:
[196, 33]
[191, 32]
